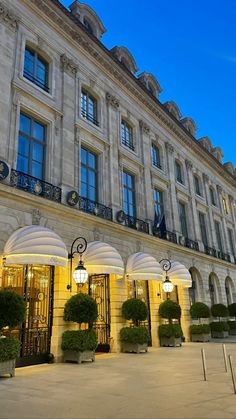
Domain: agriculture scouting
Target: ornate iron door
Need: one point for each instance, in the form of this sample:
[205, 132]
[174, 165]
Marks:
[99, 289]
[35, 284]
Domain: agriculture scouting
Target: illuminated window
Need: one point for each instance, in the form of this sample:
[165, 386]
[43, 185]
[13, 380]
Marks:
[225, 205]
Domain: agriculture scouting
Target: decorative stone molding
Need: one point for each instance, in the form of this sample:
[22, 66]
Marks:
[188, 164]
[169, 148]
[144, 127]
[77, 136]
[219, 189]
[36, 216]
[111, 100]
[205, 178]
[231, 199]
[68, 65]
[97, 234]
[7, 16]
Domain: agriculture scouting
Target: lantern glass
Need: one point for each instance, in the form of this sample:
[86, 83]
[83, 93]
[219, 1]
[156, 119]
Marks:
[167, 286]
[80, 274]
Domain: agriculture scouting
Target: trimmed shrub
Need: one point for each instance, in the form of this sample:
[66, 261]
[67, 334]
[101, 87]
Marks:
[170, 310]
[170, 330]
[134, 335]
[81, 308]
[232, 324]
[135, 310]
[199, 311]
[219, 327]
[9, 349]
[12, 309]
[199, 329]
[219, 310]
[232, 310]
[79, 340]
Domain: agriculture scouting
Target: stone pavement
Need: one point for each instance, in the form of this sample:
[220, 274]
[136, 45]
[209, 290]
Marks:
[164, 383]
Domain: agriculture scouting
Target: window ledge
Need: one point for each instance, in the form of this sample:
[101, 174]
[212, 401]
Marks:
[39, 89]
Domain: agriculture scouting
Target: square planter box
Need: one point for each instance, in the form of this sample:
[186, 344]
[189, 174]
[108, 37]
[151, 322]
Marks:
[73, 356]
[8, 367]
[201, 337]
[219, 335]
[134, 347]
[172, 341]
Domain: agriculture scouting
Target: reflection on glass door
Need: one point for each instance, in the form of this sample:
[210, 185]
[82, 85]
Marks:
[35, 284]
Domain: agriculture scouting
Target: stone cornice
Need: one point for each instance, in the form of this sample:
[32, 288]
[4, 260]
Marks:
[8, 16]
[59, 15]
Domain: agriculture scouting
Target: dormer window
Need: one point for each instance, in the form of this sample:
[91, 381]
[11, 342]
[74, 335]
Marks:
[178, 172]
[89, 107]
[127, 135]
[36, 69]
[156, 156]
[88, 26]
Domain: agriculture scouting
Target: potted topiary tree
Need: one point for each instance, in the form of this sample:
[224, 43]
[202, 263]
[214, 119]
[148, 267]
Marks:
[134, 338]
[12, 314]
[232, 323]
[80, 345]
[219, 329]
[200, 332]
[170, 334]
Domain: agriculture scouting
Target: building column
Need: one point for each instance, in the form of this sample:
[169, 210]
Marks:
[175, 225]
[195, 227]
[118, 294]
[210, 219]
[225, 239]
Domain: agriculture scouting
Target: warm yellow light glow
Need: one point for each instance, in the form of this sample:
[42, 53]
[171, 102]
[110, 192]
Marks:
[167, 286]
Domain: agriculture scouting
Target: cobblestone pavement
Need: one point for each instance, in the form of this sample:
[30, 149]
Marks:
[164, 383]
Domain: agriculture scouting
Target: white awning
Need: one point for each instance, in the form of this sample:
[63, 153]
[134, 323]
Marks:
[179, 274]
[101, 258]
[142, 266]
[35, 245]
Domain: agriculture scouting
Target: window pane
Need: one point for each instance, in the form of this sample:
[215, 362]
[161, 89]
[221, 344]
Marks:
[22, 164]
[83, 156]
[84, 189]
[84, 174]
[92, 194]
[37, 170]
[25, 124]
[29, 62]
[38, 131]
[23, 146]
[41, 71]
[37, 154]
[92, 179]
[92, 160]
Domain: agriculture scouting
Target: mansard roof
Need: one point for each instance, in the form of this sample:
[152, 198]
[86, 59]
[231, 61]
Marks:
[125, 57]
[218, 153]
[151, 83]
[174, 109]
[230, 167]
[206, 143]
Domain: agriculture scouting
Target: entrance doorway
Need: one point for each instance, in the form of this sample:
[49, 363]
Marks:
[99, 289]
[35, 284]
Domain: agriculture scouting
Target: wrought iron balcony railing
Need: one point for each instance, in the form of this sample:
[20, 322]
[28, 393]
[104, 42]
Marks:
[166, 235]
[210, 251]
[136, 224]
[128, 144]
[89, 117]
[224, 256]
[191, 244]
[217, 253]
[35, 186]
[92, 207]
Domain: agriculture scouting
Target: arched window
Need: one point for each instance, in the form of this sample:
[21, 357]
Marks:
[178, 172]
[89, 107]
[229, 291]
[36, 69]
[127, 135]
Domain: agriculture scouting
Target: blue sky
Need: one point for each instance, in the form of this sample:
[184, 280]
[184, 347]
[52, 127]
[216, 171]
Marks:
[190, 47]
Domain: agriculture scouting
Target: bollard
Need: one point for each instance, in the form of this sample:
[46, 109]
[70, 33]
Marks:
[204, 364]
[225, 357]
[232, 372]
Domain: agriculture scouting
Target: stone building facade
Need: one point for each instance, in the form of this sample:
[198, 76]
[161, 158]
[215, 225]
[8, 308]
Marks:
[88, 149]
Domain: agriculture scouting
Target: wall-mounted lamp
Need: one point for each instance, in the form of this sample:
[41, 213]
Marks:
[167, 285]
[80, 274]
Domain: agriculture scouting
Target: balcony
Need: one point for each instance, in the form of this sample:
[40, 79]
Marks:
[191, 244]
[165, 235]
[217, 253]
[92, 207]
[35, 186]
